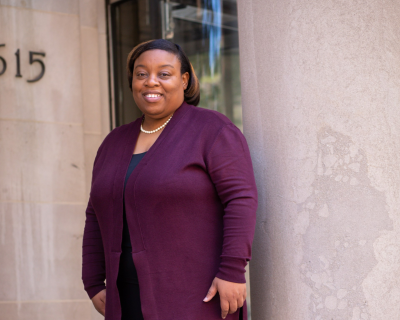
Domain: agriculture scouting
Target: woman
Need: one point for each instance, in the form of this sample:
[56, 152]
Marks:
[172, 202]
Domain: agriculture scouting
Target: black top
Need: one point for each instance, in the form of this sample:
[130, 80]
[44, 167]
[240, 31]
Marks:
[126, 240]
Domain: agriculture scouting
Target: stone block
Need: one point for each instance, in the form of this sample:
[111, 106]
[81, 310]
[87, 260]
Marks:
[92, 143]
[41, 162]
[101, 17]
[43, 245]
[46, 310]
[90, 80]
[57, 96]
[88, 12]
[70, 6]
[104, 88]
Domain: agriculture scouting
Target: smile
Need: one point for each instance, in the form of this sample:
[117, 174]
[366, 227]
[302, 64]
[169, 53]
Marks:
[152, 95]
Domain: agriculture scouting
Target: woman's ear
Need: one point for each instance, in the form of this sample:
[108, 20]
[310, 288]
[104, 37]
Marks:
[185, 80]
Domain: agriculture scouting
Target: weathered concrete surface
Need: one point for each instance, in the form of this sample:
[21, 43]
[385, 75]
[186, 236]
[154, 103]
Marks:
[321, 107]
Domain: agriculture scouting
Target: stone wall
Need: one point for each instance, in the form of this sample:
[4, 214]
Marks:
[321, 104]
[49, 133]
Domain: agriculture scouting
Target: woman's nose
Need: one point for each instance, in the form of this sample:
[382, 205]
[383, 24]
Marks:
[152, 80]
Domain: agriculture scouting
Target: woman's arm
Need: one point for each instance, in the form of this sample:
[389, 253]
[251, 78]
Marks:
[93, 259]
[230, 168]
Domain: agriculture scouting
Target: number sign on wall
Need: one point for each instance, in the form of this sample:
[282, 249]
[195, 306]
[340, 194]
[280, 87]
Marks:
[32, 59]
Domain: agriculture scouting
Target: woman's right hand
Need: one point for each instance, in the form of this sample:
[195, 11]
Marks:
[99, 302]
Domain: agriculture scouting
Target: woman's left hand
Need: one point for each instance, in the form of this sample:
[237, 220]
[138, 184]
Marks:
[232, 295]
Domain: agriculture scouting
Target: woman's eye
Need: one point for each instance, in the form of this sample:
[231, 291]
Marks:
[164, 74]
[140, 74]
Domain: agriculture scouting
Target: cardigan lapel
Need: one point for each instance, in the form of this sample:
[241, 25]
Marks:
[179, 113]
[129, 138]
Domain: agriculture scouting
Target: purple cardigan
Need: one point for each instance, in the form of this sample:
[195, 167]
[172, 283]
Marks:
[191, 210]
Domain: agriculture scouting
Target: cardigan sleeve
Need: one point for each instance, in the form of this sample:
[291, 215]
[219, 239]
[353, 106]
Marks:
[230, 168]
[93, 259]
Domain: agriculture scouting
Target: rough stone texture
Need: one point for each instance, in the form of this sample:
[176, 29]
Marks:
[41, 162]
[91, 80]
[49, 133]
[47, 310]
[69, 7]
[40, 258]
[57, 96]
[94, 71]
[321, 104]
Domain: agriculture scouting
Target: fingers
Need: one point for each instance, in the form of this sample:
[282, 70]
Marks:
[103, 305]
[224, 308]
[230, 306]
[99, 302]
[240, 302]
[211, 292]
[232, 295]
[242, 298]
[101, 308]
[233, 305]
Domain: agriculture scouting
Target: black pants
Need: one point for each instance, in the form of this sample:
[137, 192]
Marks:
[128, 288]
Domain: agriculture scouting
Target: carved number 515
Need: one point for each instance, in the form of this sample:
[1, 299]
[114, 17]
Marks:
[31, 61]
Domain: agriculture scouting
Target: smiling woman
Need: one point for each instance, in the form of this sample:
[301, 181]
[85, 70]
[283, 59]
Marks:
[157, 84]
[192, 89]
[161, 78]
[172, 204]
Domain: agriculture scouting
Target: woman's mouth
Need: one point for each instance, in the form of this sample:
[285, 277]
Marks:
[152, 97]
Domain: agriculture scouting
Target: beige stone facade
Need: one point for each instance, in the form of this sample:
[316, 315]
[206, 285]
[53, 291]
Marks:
[49, 133]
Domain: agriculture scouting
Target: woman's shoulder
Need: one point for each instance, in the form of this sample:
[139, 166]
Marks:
[209, 115]
[208, 119]
[117, 134]
[214, 129]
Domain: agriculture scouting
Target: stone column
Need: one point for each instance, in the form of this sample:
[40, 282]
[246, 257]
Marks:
[321, 107]
[49, 133]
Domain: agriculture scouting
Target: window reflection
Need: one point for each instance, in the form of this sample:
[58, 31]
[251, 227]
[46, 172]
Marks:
[132, 22]
[208, 32]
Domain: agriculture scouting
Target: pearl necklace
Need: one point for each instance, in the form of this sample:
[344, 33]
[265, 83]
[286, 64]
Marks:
[155, 130]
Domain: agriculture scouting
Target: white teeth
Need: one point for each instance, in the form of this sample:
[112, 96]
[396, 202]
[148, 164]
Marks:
[153, 95]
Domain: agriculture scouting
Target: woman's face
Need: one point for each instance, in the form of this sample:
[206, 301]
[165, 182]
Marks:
[157, 83]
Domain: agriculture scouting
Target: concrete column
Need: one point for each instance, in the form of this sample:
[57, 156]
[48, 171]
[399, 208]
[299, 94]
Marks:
[49, 133]
[321, 104]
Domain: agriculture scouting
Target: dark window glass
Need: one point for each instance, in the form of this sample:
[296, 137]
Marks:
[208, 32]
[132, 22]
